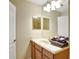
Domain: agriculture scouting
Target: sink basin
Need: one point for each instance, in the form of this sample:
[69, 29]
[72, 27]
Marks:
[45, 41]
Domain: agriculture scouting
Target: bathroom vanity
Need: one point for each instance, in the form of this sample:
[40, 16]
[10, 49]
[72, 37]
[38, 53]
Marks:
[42, 49]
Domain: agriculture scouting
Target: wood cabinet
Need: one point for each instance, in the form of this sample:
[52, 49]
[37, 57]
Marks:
[47, 54]
[38, 52]
[32, 50]
[45, 57]
[62, 55]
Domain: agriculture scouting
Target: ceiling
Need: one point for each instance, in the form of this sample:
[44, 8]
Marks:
[64, 8]
[42, 2]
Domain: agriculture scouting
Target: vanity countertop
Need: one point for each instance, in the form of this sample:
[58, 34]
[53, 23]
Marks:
[48, 46]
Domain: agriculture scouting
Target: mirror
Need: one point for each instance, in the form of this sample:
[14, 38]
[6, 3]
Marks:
[53, 23]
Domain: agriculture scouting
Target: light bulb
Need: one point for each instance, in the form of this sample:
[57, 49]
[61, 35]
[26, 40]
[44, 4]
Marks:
[48, 6]
[48, 10]
[58, 4]
[35, 16]
[44, 8]
[53, 3]
[52, 7]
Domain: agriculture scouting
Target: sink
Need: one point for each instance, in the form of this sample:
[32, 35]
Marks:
[45, 41]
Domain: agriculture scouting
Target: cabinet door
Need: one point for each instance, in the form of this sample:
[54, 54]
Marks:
[47, 54]
[32, 52]
[38, 54]
[45, 57]
[62, 55]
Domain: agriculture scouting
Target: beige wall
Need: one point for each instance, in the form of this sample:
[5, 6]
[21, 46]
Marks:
[24, 31]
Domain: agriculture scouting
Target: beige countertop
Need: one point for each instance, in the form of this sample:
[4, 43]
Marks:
[48, 46]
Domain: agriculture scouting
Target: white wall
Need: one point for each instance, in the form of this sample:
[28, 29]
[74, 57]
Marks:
[24, 31]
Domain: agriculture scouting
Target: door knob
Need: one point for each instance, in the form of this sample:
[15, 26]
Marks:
[14, 40]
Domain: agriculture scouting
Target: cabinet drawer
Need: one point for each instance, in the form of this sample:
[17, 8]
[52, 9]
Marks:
[47, 53]
[38, 47]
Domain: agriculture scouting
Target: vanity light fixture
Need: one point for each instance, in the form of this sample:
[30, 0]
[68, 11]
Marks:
[52, 5]
[47, 8]
[35, 16]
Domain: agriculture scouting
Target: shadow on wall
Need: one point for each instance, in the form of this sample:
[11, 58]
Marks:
[28, 52]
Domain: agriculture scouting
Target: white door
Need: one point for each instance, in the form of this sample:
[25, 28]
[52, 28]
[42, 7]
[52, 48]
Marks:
[63, 26]
[12, 31]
